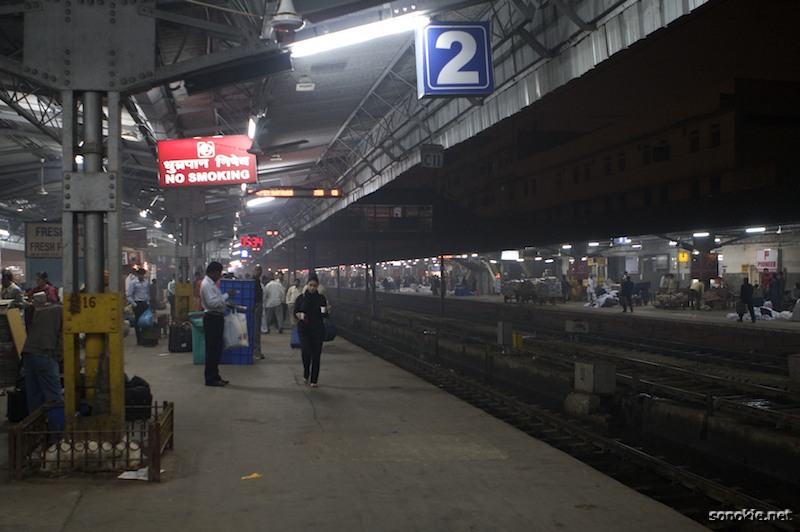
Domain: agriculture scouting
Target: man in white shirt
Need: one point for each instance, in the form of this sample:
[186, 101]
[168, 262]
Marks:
[171, 296]
[274, 296]
[591, 286]
[291, 295]
[214, 303]
[138, 294]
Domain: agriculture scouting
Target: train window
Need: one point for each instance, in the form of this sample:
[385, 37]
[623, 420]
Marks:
[661, 152]
[647, 155]
[715, 135]
[621, 161]
[607, 165]
[715, 186]
[694, 141]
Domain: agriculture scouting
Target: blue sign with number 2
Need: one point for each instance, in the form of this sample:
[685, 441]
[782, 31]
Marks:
[454, 59]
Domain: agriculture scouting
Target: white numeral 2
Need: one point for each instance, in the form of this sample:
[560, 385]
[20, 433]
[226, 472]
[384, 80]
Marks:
[451, 73]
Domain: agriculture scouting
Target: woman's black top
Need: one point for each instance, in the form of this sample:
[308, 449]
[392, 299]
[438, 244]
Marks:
[310, 304]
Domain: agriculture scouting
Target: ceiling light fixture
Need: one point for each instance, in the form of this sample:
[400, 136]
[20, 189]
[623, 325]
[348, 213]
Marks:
[701, 234]
[251, 127]
[255, 202]
[305, 84]
[358, 34]
[42, 191]
[286, 19]
[755, 230]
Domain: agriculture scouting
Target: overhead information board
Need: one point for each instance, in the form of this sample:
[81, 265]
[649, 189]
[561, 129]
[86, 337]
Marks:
[298, 193]
[454, 59]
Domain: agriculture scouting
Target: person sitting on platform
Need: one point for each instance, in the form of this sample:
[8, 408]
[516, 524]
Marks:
[41, 354]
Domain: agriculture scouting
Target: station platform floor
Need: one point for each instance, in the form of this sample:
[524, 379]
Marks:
[372, 448]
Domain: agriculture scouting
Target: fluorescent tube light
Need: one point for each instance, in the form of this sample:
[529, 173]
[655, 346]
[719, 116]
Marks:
[755, 229]
[701, 234]
[359, 34]
[255, 202]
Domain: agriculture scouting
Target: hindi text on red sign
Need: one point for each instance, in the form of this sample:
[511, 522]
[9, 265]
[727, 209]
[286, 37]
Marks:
[206, 161]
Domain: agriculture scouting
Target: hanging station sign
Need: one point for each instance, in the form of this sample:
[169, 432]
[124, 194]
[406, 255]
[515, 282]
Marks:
[454, 59]
[210, 161]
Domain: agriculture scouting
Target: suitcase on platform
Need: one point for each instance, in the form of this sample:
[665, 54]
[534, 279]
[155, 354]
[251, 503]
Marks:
[150, 336]
[180, 338]
[294, 338]
[17, 408]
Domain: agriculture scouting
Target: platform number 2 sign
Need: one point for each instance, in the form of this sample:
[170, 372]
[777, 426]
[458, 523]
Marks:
[454, 59]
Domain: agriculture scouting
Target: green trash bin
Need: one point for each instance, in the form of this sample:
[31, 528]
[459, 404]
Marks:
[198, 337]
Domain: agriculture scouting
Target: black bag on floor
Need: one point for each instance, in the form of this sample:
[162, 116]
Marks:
[150, 336]
[180, 338]
[17, 408]
[138, 399]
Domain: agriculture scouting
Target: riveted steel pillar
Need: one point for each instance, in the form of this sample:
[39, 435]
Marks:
[91, 202]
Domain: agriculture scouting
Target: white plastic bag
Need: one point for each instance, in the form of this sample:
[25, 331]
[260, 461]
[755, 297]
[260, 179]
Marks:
[235, 332]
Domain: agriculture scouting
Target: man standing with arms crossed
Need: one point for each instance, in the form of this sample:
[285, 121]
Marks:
[214, 303]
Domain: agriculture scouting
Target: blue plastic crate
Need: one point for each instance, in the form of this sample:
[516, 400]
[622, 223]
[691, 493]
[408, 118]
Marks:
[245, 297]
[229, 357]
[245, 292]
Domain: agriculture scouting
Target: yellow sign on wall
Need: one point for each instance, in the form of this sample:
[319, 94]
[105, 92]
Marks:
[683, 256]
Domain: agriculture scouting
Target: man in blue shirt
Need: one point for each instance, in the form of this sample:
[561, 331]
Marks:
[138, 294]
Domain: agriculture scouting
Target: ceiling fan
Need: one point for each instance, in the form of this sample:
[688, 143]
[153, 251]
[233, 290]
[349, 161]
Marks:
[42, 191]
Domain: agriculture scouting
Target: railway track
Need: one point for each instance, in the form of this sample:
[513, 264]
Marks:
[743, 360]
[690, 493]
[767, 399]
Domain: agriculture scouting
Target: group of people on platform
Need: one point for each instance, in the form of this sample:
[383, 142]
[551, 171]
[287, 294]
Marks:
[308, 308]
[42, 351]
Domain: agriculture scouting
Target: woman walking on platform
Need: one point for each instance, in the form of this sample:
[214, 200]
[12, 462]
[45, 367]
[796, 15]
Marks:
[310, 308]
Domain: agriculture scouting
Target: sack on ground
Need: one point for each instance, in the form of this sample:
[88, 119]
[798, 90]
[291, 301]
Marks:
[235, 331]
[146, 319]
